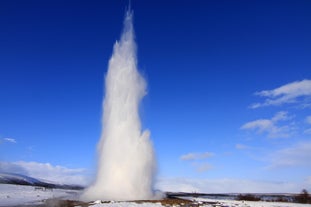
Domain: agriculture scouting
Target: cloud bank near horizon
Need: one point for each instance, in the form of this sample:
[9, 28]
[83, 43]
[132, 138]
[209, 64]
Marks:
[297, 155]
[46, 171]
[229, 185]
[60, 174]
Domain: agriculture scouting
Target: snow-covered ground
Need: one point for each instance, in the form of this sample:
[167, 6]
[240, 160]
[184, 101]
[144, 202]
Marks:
[233, 203]
[14, 195]
[127, 204]
[207, 203]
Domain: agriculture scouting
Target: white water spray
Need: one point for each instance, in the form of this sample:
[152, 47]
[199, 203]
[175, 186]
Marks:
[126, 162]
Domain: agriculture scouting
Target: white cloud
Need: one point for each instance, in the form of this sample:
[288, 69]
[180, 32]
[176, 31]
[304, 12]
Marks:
[281, 116]
[295, 92]
[197, 161]
[261, 125]
[46, 171]
[308, 121]
[196, 156]
[293, 156]
[228, 186]
[271, 126]
[10, 140]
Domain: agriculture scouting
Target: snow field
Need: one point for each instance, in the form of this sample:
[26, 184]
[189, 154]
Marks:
[13, 195]
[233, 203]
[202, 202]
[127, 204]
[18, 195]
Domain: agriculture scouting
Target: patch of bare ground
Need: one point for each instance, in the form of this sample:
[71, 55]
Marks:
[168, 201]
[63, 203]
[165, 202]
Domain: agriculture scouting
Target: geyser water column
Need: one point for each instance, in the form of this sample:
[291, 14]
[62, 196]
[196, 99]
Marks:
[126, 160]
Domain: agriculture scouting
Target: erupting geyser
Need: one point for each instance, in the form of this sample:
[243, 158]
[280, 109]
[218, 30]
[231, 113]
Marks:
[126, 160]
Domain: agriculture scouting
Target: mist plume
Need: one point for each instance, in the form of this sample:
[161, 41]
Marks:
[126, 162]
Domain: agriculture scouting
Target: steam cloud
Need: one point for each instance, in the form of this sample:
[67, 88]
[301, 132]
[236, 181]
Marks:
[126, 162]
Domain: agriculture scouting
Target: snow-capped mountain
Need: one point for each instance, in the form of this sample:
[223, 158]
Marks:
[18, 179]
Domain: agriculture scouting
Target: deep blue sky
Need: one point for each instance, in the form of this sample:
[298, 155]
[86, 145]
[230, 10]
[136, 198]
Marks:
[203, 60]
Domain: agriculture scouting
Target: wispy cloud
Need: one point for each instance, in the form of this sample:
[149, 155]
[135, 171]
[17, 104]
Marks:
[228, 186]
[198, 160]
[293, 156]
[308, 121]
[295, 92]
[196, 156]
[46, 171]
[271, 126]
[9, 140]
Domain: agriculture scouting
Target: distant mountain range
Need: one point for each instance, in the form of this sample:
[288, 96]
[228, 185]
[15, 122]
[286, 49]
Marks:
[18, 179]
